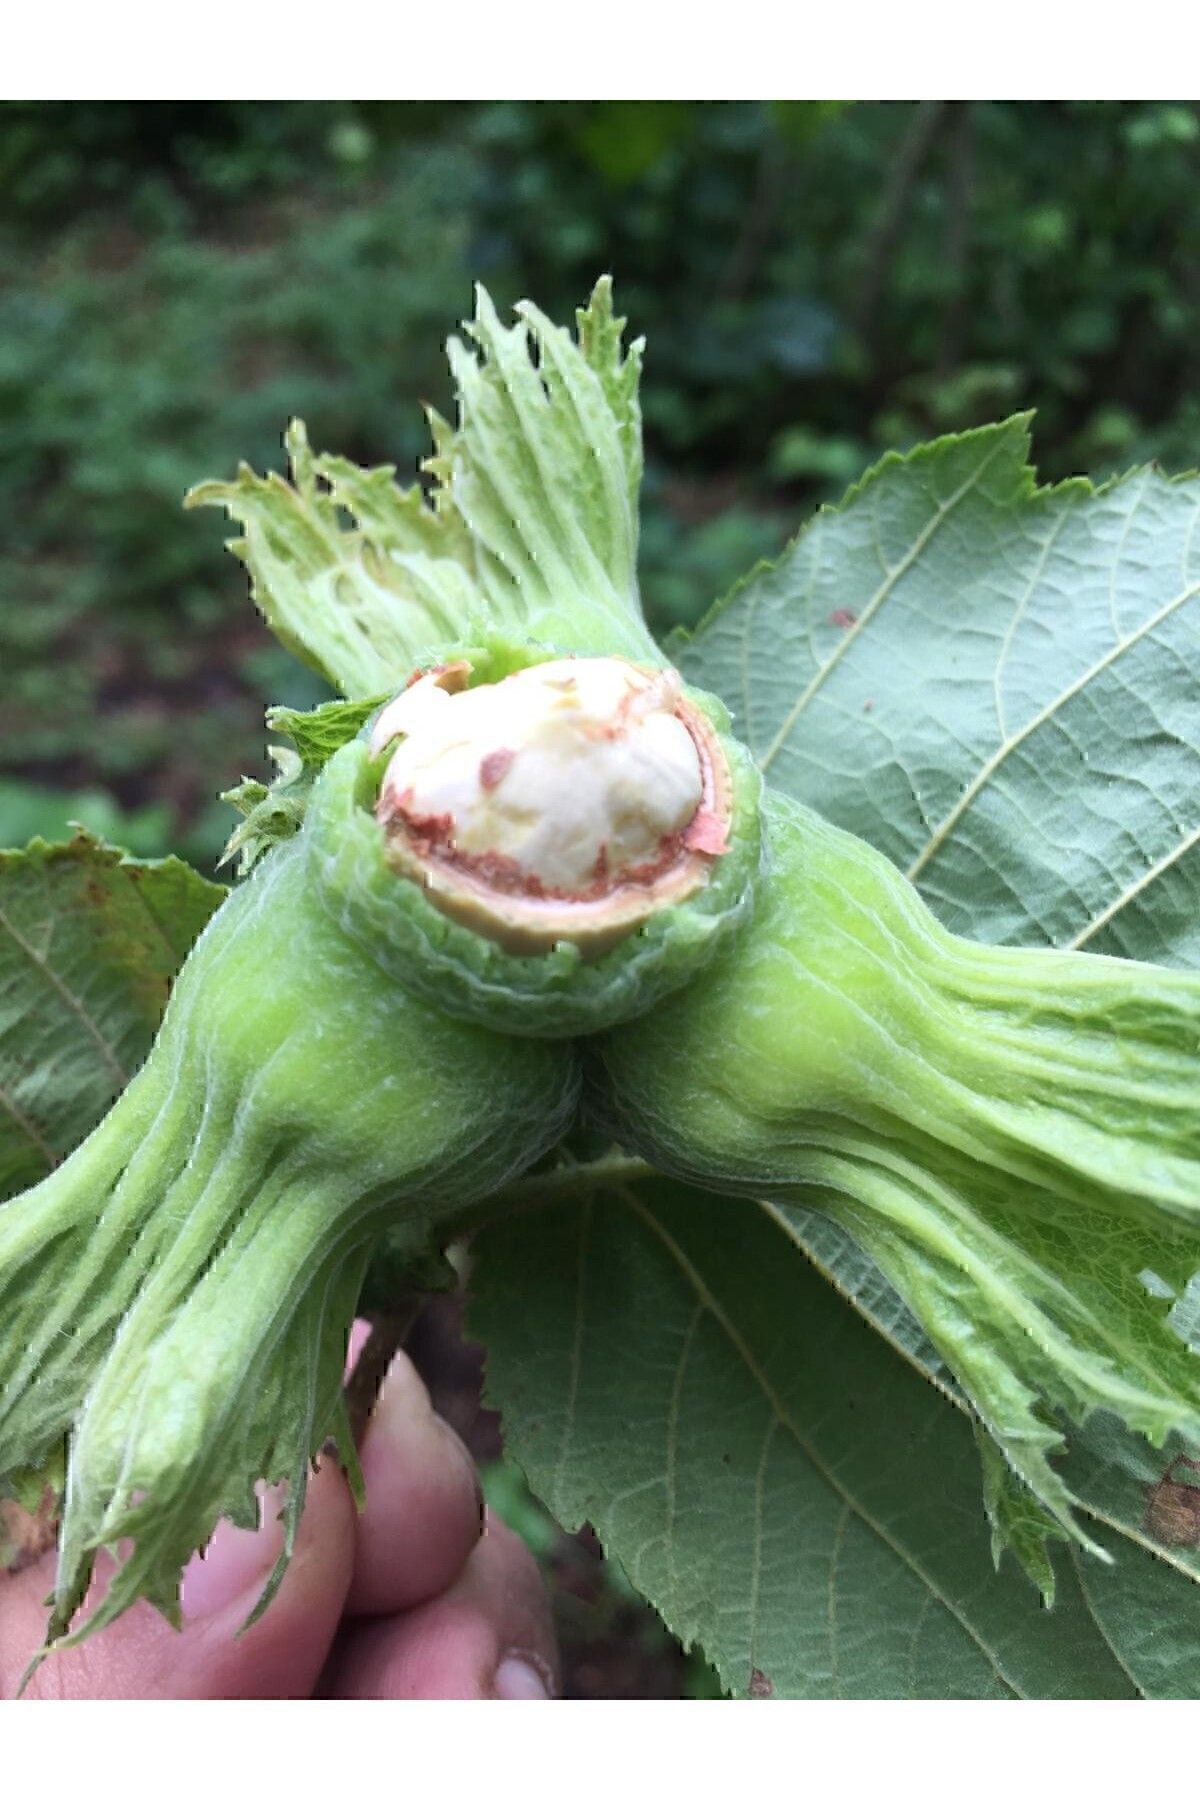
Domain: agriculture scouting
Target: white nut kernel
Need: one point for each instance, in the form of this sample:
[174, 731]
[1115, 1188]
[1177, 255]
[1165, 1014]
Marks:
[567, 801]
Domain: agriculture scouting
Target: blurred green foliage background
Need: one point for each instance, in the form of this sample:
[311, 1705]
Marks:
[817, 282]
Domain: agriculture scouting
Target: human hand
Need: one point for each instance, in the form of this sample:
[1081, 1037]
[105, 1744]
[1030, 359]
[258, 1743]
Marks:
[420, 1596]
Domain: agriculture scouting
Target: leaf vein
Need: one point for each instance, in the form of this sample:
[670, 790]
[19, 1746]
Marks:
[1130, 894]
[937, 518]
[24, 1123]
[1018, 614]
[1138, 497]
[69, 1000]
[822, 1467]
[673, 1413]
[576, 1363]
[939, 837]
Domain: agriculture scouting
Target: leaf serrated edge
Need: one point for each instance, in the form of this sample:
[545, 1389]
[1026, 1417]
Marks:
[1032, 492]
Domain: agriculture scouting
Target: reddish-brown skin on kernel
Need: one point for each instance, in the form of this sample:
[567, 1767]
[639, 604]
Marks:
[707, 833]
[494, 768]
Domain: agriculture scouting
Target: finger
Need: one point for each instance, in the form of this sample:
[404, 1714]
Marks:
[140, 1656]
[424, 1507]
[489, 1637]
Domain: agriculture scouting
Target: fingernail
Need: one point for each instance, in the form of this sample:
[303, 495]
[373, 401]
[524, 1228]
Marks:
[520, 1678]
[360, 1331]
[236, 1563]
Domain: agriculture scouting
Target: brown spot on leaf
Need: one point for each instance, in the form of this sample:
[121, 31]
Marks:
[1173, 1507]
[843, 617]
[761, 1686]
